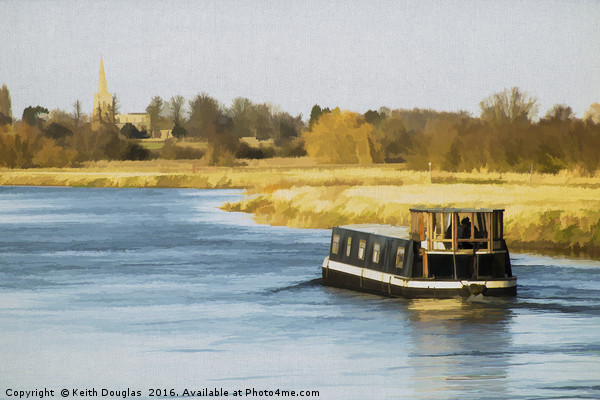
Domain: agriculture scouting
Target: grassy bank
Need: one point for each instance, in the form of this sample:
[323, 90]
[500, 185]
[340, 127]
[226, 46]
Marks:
[545, 218]
[545, 213]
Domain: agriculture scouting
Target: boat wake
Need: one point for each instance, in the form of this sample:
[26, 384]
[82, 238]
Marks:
[301, 285]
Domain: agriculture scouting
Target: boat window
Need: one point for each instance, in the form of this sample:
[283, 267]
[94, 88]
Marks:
[498, 221]
[442, 230]
[376, 251]
[335, 245]
[480, 226]
[400, 257]
[348, 246]
[361, 249]
[465, 226]
[442, 226]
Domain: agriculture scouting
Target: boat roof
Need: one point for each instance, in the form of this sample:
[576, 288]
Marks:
[454, 210]
[400, 232]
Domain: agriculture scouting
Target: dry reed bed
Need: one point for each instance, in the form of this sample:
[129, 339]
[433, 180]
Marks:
[549, 218]
[543, 212]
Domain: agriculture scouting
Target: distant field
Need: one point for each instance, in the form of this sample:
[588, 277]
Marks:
[152, 145]
[548, 213]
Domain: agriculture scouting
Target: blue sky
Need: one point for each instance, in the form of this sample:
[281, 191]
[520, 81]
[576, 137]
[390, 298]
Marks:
[357, 55]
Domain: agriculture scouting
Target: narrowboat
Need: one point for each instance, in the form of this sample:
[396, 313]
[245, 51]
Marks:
[446, 252]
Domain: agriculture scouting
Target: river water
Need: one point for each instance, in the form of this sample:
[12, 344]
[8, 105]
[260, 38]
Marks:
[145, 289]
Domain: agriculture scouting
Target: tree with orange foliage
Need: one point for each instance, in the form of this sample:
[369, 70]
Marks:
[342, 137]
[593, 113]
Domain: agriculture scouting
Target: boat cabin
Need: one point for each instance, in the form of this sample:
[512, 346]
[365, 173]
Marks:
[461, 243]
[440, 244]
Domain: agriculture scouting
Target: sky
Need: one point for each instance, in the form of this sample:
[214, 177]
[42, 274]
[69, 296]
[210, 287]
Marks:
[356, 55]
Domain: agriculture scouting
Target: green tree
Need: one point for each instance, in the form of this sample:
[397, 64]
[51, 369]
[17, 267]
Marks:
[315, 114]
[130, 131]
[374, 118]
[154, 109]
[289, 127]
[5, 102]
[30, 114]
[205, 114]
[179, 132]
[5, 120]
[115, 108]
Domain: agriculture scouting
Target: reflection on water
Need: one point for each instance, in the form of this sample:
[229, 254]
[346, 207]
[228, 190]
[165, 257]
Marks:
[461, 347]
[143, 288]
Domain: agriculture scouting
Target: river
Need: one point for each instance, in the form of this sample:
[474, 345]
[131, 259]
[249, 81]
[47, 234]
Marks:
[140, 289]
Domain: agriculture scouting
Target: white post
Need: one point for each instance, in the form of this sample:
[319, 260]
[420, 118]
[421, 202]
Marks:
[430, 175]
[531, 174]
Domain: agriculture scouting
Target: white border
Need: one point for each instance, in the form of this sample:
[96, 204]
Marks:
[411, 283]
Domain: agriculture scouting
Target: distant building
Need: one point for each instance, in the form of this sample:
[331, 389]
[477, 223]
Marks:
[162, 129]
[104, 111]
[140, 120]
[103, 101]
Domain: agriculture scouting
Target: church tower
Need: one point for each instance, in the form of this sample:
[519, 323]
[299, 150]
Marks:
[103, 101]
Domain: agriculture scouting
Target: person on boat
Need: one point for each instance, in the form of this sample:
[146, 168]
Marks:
[464, 232]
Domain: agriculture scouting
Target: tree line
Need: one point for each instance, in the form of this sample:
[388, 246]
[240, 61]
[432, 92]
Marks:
[206, 119]
[506, 136]
[56, 138]
[43, 138]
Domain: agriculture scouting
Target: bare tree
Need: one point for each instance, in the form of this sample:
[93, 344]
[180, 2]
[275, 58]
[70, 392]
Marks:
[560, 112]
[77, 114]
[240, 116]
[509, 106]
[176, 105]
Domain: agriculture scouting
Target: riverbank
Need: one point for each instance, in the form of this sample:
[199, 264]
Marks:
[544, 213]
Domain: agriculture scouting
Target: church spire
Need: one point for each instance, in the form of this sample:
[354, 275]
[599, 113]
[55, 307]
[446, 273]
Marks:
[102, 78]
[103, 101]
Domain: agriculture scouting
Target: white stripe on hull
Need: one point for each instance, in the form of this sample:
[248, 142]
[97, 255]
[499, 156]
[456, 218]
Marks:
[399, 281]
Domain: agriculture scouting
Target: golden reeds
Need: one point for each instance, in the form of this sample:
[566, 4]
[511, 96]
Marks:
[543, 212]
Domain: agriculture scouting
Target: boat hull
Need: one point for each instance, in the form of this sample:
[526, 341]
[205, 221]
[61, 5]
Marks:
[366, 280]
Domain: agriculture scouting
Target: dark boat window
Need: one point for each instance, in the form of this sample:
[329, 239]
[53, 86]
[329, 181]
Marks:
[498, 221]
[492, 265]
[376, 252]
[464, 266]
[349, 247]
[441, 266]
[400, 257]
[335, 246]
[361, 249]
[480, 226]
[464, 229]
